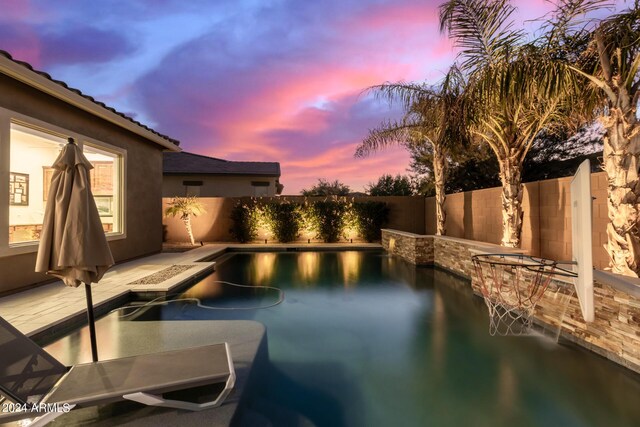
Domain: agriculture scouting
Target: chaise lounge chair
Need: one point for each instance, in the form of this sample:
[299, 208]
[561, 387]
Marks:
[34, 382]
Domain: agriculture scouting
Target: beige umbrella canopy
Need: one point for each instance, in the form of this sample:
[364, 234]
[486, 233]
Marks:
[73, 246]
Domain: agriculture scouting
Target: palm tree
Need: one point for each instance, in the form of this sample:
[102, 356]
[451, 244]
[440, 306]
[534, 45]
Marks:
[430, 119]
[185, 207]
[514, 91]
[611, 64]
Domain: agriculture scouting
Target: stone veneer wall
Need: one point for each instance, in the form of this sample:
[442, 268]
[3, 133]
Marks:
[615, 332]
[414, 248]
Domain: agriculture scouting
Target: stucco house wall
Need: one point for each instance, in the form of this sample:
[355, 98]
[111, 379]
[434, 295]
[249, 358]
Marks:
[143, 183]
[219, 186]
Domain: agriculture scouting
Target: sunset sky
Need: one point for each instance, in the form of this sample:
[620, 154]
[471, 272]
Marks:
[261, 80]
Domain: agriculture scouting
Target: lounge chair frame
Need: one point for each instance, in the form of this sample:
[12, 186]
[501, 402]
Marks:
[112, 380]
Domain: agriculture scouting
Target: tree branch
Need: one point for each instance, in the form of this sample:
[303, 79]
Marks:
[599, 83]
[605, 61]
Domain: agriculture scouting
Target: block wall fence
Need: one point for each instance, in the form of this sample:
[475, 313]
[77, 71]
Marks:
[405, 213]
[546, 232]
[473, 215]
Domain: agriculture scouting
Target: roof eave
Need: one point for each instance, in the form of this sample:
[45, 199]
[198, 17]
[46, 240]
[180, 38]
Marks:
[41, 83]
[224, 174]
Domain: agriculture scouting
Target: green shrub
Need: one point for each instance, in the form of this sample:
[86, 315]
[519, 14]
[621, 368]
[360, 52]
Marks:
[369, 218]
[245, 225]
[327, 219]
[284, 220]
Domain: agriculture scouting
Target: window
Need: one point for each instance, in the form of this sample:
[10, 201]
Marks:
[106, 184]
[260, 188]
[32, 151]
[192, 188]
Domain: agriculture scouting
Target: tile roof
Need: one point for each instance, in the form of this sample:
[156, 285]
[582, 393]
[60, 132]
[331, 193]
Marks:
[78, 92]
[190, 163]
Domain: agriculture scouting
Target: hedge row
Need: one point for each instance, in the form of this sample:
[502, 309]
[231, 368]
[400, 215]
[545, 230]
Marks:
[329, 220]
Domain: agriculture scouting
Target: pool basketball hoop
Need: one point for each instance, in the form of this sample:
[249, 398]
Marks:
[512, 285]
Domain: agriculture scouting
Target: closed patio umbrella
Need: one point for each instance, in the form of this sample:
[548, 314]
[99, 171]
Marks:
[73, 246]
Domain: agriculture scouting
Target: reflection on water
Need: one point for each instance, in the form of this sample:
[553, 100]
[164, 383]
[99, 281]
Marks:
[365, 339]
[439, 332]
[309, 267]
[262, 267]
[350, 261]
[507, 389]
[264, 270]
[211, 293]
[206, 289]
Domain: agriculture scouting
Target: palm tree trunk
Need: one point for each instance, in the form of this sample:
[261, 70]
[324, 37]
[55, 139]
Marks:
[187, 223]
[511, 178]
[439, 174]
[621, 150]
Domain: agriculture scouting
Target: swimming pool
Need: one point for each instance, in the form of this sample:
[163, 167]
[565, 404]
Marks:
[365, 339]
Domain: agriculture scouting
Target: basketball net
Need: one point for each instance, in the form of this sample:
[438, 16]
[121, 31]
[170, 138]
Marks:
[512, 285]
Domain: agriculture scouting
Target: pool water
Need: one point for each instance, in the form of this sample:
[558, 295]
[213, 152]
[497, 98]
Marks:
[365, 339]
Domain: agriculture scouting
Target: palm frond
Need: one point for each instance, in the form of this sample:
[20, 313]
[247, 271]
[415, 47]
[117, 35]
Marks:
[482, 29]
[620, 38]
[571, 17]
[407, 94]
[184, 207]
[390, 133]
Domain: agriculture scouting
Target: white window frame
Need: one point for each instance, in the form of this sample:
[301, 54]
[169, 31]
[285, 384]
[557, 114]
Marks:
[122, 179]
[7, 117]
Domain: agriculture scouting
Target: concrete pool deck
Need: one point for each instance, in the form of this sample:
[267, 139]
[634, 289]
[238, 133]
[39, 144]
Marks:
[37, 310]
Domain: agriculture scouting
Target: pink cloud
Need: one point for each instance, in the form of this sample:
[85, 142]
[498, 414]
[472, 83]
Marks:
[320, 143]
[339, 163]
[300, 104]
[239, 129]
[397, 17]
[23, 43]
[15, 9]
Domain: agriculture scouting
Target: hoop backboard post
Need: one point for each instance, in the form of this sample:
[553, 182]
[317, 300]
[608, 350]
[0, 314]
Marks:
[581, 244]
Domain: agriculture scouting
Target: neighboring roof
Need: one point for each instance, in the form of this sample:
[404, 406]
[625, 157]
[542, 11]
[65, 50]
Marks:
[42, 81]
[184, 163]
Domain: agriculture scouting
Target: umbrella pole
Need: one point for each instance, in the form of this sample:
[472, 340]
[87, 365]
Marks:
[92, 322]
